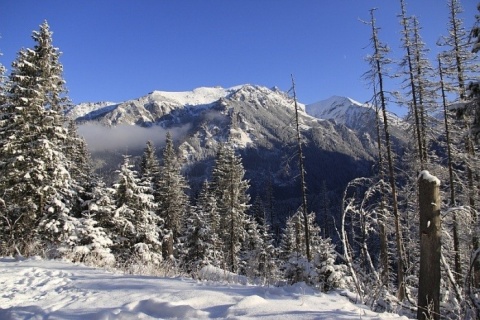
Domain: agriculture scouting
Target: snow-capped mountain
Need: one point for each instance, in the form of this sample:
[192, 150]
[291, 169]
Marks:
[341, 110]
[148, 109]
[260, 122]
[359, 117]
[90, 108]
[344, 110]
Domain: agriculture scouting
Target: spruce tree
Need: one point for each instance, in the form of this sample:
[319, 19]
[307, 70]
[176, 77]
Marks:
[322, 270]
[3, 84]
[172, 199]
[230, 189]
[34, 172]
[201, 238]
[258, 254]
[149, 165]
[80, 167]
[134, 223]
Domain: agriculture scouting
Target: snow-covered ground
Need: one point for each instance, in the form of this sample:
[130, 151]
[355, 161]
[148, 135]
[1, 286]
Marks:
[39, 289]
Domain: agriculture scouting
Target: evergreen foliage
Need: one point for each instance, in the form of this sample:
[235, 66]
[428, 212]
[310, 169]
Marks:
[35, 181]
[230, 190]
[322, 270]
[202, 240]
[135, 224]
[171, 197]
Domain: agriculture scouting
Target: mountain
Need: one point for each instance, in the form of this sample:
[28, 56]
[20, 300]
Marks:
[342, 110]
[360, 117]
[148, 109]
[337, 138]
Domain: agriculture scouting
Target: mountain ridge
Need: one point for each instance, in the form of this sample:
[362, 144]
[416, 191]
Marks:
[259, 122]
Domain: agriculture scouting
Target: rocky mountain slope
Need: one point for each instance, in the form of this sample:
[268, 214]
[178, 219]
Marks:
[339, 143]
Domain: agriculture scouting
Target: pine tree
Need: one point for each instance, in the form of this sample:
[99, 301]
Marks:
[149, 166]
[408, 62]
[475, 33]
[34, 178]
[3, 100]
[202, 241]
[420, 87]
[3, 84]
[172, 200]
[474, 85]
[379, 61]
[80, 167]
[296, 267]
[96, 227]
[230, 189]
[135, 224]
[258, 254]
[251, 249]
[321, 271]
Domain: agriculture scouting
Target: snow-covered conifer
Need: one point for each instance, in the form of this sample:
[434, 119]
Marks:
[322, 270]
[136, 226]
[149, 165]
[3, 84]
[230, 189]
[34, 179]
[170, 193]
[201, 238]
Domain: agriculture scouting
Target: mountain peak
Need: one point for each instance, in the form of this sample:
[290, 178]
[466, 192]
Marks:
[198, 96]
[336, 101]
[324, 108]
[342, 110]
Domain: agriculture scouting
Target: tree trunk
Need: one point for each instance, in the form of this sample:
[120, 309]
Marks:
[413, 88]
[167, 247]
[302, 177]
[430, 247]
[456, 241]
[391, 171]
[381, 219]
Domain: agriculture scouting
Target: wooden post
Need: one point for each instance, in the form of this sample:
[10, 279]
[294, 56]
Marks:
[430, 247]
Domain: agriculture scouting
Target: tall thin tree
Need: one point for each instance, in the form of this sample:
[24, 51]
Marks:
[303, 185]
[380, 60]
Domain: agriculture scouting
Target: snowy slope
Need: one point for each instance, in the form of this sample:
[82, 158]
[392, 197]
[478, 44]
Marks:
[344, 110]
[340, 109]
[147, 110]
[91, 108]
[37, 289]
[198, 96]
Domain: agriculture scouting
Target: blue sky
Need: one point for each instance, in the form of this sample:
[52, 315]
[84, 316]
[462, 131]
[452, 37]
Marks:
[114, 50]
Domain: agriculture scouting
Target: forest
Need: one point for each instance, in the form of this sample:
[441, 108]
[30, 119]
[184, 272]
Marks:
[52, 204]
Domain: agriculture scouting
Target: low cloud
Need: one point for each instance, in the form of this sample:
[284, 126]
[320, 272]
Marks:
[127, 137]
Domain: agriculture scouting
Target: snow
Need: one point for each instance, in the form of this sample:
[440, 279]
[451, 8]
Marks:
[346, 111]
[240, 137]
[199, 96]
[90, 108]
[41, 289]
[425, 175]
[336, 108]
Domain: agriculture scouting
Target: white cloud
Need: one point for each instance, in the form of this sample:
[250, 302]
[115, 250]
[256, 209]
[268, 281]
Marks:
[127, 137]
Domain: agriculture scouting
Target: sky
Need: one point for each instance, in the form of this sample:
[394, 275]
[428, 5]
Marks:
[115, 50]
